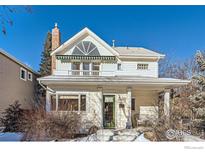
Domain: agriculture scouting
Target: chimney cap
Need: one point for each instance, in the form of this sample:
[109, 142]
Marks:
[56, 24]
[113, 43]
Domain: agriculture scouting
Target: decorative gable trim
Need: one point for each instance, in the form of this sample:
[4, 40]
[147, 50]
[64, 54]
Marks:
[102, 59]
[79, 35]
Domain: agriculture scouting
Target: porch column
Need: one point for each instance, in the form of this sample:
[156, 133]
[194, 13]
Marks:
[56, 102]
[100, 93]
[167, 103]
[129, 97]
[48, 101]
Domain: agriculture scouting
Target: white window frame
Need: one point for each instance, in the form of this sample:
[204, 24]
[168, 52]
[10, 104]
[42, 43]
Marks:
[58, 93]
[30, 79]
[22, 69]
[143, 68]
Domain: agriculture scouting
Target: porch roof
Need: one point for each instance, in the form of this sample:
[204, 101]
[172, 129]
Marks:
[114, 80]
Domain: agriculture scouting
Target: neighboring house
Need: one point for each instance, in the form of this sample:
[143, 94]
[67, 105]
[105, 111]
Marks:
[17, 82]
[105, 84]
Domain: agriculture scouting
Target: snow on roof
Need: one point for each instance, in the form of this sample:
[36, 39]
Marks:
[114, 79]
[137, 51]
[16, 60]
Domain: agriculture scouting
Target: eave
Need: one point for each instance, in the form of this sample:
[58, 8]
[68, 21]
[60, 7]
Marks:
[114, 81]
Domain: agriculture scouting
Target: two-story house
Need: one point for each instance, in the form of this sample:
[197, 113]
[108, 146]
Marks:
[106, 84]
[17, 82]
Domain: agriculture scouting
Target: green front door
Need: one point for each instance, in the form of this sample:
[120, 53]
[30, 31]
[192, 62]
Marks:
[109, 111]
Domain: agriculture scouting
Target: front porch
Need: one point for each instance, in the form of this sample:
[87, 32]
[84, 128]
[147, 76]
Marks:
[108, 107]
[109, 102]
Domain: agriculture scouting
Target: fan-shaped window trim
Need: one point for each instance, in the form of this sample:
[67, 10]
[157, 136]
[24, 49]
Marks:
[86, 48]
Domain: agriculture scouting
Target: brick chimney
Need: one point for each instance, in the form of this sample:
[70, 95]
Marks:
[55, 44]
[55, 37]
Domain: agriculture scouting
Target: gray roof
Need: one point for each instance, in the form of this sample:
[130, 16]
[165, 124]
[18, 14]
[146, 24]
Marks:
[137, 51]
[17, 61]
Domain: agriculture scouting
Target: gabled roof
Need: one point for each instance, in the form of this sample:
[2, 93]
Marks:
[17, 61]
[137, 51]
[117, 51]
[79, 35]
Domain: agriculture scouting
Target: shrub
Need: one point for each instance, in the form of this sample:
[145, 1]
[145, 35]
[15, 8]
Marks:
[66, 125]
[40, 126]
[93, 129]
[34, 124]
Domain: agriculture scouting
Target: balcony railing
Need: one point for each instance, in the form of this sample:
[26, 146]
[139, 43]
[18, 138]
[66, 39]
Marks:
[83, 73]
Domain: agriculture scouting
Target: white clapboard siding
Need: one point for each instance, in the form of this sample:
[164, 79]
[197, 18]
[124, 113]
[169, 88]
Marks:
[130, 68]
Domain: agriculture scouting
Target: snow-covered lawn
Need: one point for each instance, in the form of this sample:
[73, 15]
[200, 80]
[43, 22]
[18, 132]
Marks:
[191, 138]
[11, 136]
[107, 135]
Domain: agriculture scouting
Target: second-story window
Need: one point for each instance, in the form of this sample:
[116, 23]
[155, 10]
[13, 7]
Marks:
[86, 68]
[75, 68]
[142, 66]
[23, 74]
[96, 69]
[119, 66]
[30, 76]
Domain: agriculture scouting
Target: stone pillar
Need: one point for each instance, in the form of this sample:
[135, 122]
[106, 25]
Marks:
[100, 95]
[48, 101]
[129, 97]
[167, 103]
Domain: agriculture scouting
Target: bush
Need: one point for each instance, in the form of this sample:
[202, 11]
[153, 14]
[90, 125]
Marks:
[40, 126]
[34, 124]
[63, 125]
[12, 118]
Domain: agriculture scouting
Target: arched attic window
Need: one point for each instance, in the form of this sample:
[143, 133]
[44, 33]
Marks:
[86, 48]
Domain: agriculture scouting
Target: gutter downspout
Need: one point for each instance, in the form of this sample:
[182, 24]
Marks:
[47, 88]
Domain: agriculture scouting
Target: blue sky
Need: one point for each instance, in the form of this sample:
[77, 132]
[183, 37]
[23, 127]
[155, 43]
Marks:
[177, 31]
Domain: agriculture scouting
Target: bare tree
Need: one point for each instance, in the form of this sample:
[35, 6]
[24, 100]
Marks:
[6, 13]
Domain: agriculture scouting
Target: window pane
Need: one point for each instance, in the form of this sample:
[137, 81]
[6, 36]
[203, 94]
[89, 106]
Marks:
[22, 74]
[96, 66]
[75, 66]
[119, 66]
[68, 103]
[96, 69]
[83, 103]
[133, 104]
[86, 66]
[29, 76]
[142, 66]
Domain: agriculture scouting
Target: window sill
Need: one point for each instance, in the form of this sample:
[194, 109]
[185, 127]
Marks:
[23, 79]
